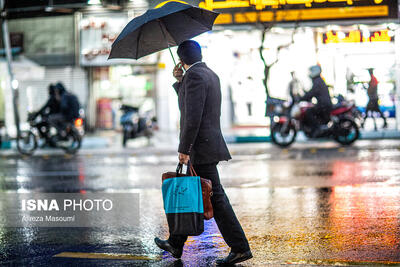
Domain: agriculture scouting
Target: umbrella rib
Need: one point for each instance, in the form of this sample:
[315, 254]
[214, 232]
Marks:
[165, 37]
[166, 30]
[138, 42]
[200, 22]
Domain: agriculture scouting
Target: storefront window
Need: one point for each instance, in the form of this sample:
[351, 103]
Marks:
[117, 85]
[347, 54]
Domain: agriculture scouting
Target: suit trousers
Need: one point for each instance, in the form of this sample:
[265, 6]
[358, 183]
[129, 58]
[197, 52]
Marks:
[224, 215]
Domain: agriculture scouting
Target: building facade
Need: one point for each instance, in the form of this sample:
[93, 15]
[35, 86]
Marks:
[74, 49]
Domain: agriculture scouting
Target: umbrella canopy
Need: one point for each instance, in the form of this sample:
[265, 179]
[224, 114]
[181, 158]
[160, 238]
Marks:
[160, 28]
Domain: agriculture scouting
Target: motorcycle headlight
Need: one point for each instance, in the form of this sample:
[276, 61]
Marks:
[53, 131]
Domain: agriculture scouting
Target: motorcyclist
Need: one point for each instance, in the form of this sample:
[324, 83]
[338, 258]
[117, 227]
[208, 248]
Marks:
[69, 107]
[52, 106]
[320, 113]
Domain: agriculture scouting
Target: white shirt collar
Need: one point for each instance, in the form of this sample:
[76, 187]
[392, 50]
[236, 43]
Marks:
[193, 65]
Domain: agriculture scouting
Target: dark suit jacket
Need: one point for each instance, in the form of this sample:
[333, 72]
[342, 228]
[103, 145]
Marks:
[199, 97]
[320, 91]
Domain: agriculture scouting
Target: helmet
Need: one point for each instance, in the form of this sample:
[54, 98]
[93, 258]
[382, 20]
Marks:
[60, 87]
[314, 71]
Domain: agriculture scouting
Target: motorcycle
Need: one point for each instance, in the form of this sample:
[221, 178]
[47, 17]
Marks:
[342, 126]
[69, 138]
[355, 112]
[134, 125]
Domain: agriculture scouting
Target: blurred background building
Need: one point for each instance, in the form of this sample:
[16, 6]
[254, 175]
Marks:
[69, 41]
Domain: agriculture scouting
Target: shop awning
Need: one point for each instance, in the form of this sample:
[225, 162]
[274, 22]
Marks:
[43, 8]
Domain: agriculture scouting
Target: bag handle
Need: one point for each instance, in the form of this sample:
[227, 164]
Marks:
[179, 168]
[192, 172]
[191, 169]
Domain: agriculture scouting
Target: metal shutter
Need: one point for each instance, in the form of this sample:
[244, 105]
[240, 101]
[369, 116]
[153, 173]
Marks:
[33, 93]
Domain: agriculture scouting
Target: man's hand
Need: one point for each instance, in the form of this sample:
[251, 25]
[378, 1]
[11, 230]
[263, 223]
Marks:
[183, 158]
[178, 72]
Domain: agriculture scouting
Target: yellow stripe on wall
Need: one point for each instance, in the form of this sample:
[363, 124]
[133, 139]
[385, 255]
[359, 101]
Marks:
[224, 18]
[306, 14]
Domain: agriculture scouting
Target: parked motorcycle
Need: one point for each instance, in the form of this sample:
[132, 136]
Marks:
[135, 125]
[342, 126]
[69, 138]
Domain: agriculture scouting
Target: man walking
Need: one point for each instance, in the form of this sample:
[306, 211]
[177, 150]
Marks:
[201, 142]
[373, 102]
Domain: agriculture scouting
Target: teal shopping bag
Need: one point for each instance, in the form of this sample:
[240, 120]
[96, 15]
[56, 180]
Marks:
[183, 204]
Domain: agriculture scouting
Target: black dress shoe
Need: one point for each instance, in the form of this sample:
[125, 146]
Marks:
[165, 245]
[234, 258]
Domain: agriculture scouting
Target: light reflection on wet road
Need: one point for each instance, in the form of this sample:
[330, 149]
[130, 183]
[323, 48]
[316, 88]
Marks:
[313, 204]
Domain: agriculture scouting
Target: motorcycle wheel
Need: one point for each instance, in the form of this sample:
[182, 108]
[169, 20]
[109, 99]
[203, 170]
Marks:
[26, 143]
[125, 137]
[72, 142]
[346, 132]
[283, 139]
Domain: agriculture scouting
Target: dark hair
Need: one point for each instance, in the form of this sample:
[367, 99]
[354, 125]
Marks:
[371, 71]
[189, 52]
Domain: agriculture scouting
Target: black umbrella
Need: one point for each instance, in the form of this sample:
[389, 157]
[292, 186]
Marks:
[169, 24]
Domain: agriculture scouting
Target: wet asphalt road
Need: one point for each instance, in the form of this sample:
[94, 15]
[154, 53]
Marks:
[313, 204]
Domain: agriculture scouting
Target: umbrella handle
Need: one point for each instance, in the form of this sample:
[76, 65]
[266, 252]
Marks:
[165, 37]
[169, 48]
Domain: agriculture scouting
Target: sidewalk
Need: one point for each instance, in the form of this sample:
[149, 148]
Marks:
[112, 139]
[259, 134]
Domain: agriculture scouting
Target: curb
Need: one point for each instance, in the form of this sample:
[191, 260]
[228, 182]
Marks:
[5, 145]
[247, 139]
[95, 142]
[87, 143]
[381, 135]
